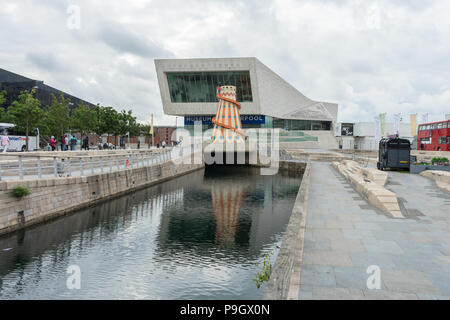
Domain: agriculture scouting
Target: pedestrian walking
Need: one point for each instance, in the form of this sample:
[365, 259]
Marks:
[163, 144]
[53, 143]
[86, 143]
[67, 141]
[5, 141]
[73, 143]
[63, 142]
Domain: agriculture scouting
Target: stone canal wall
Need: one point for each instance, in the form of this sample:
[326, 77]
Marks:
[287, 266]
[50, 198]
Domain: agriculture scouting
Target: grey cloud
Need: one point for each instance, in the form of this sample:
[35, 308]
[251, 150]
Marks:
[322, 47]
[122, 40]
[45, 60]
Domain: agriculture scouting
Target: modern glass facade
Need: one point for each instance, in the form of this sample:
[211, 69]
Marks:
[271, 123]
[201, 86]
[289, 124]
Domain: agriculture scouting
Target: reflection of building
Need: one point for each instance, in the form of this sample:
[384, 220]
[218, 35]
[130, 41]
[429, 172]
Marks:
[226, 201]
[13, 84]
[188, 88]
[261, 209]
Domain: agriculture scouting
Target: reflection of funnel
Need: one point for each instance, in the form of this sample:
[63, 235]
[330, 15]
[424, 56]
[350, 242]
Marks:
[226, 199]
[227, 122]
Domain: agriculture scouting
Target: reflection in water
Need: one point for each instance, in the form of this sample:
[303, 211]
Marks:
[227, 197]
[194, 237]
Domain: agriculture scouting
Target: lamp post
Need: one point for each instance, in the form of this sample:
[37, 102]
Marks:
[38, 134]
[33, 89]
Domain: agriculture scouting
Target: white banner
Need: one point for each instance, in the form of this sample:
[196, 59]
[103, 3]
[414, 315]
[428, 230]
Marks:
[337, 130]
[377, 129]
[424, 118]
[397, 118]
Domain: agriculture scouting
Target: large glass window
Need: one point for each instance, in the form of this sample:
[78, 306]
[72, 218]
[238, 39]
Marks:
[308, 125]
[201, 86]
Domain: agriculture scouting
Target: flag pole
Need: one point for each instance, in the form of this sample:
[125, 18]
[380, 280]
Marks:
[151, 132]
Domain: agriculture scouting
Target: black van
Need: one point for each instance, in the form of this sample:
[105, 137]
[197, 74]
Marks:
[394, 153]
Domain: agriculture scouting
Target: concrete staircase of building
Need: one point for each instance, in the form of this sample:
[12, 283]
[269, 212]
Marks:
[308, 140]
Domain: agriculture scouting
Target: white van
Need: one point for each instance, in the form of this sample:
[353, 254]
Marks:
[18, 142]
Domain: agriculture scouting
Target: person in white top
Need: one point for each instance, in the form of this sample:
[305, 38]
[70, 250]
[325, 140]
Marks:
[67, 142]
[5, 141]
[163, 144]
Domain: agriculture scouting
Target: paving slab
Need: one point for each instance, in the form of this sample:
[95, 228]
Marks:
[345, 235]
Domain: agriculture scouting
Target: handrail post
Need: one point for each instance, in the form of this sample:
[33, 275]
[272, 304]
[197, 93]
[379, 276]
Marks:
[101, 164]
[81, 167]
[69, 169]
[110, 164]
[55, 167]
[39, 168]
[92, 165]
[20, 168]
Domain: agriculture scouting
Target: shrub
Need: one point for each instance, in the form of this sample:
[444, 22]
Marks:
[266, 269]
[435, 160]
[21, 191]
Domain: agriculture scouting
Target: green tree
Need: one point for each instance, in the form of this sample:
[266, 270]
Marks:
[2, 101]
[2, 97]
[128, 123]
[57, 115]
[84, 120]
[108, 120]
[25, 112]
[144, 129]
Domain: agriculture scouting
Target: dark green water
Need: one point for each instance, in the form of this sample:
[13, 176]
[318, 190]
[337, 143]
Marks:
[194, 237]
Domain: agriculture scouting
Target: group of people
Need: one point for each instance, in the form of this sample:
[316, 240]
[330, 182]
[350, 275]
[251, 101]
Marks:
[68, 143]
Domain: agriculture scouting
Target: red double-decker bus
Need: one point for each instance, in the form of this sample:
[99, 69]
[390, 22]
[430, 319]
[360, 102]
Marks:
[434, 136]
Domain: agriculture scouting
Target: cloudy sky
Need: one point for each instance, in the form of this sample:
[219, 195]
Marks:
[368, 56]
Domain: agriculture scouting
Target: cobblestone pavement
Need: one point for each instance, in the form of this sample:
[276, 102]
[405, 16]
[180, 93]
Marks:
[345, 235]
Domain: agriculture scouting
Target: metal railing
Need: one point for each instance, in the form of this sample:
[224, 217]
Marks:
[29, 166]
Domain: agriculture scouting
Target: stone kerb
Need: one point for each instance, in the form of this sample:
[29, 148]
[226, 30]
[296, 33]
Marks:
[370, 185]
[442, 178]
[285, 277]
[375, 175]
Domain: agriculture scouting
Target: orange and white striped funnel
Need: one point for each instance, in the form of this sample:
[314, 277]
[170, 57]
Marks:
[227, 122]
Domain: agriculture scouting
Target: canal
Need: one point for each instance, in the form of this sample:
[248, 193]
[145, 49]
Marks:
[198, 236]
